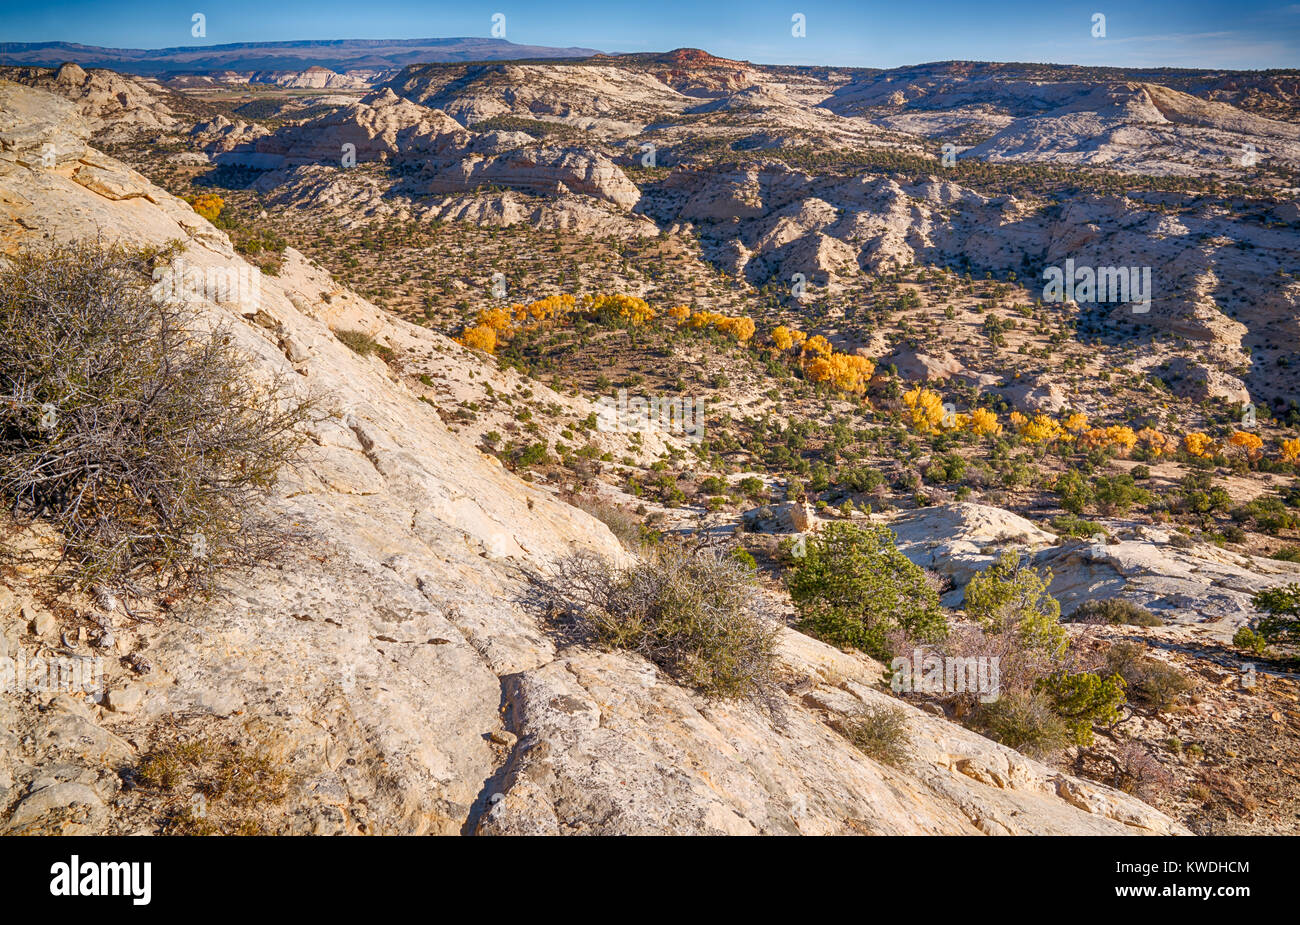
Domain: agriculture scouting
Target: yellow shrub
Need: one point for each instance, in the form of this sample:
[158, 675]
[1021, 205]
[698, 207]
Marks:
[1159, 444]
[818, 345]
[480, 337]
[782, 338]
[551, 308]
[1076, 423]
[740, 327]
[498, 319]
[1041, 429]
[1198, 444]
[679, 313]
[1103, 437]
[985, 423]
[209, 205]
[925, 407]
[844, 371]
[1249, 442]
[631, 309]
[1291, 450]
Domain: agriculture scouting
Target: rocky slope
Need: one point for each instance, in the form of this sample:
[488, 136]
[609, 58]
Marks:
[399, 663]
[1191, 586]
[116, 106]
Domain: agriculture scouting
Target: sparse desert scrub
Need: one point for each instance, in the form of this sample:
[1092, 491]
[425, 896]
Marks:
[1130, 768]
[1027, 722]
[625, 525]
[697, 614]
[853, 588]
[140, 432]
[879, 733]
[213, 787]
[1150, 682]
[364, 344]
[1114, 611]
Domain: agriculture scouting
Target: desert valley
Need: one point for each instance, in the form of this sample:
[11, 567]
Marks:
[663, 421]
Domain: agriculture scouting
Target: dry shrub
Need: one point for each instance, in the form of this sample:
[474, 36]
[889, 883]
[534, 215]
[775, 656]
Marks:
[696, 614]
[625, 525]
[145, 437]
[879, 733]
[1151, 682]
[1114, 612]
[1138, 772]
[1223, 787]
[1027, 722]
[216, 787]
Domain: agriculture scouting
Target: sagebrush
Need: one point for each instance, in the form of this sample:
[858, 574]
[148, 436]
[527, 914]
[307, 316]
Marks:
[135, 428]
[695, 613]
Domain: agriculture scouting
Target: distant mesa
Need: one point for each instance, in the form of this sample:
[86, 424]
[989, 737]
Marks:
[336, 55]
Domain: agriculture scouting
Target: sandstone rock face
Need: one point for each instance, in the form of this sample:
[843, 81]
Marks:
[961, 539]
[379, 126]
[450, 158]
[1141, 127]
[313, 78]
[1193, 584]
[539, 170]
[1198, 585]
[606, 747]
[115, 105]
[1199, 382]
[592, 97]
[222, 134]
[924, 367]
[787, 517]
[1039, 394]
[379, 653]
[39, 128]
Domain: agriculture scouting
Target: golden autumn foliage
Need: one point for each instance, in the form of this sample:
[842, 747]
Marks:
[1076, 423]
[619, 307]
[817, 345]
[783, 338]
[1251, 443]
[209, 205]
[1198, 444]
[551, 308]
[498, 319]
[1291, 450]
[740, 327]
[1040, 429]
[1156, 443]
[847, 372]
[679, 313]
[480, 337]
[925, 409]
[1100, 438]
[985, 423]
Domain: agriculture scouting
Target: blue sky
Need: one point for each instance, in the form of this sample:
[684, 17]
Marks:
[1176, 33]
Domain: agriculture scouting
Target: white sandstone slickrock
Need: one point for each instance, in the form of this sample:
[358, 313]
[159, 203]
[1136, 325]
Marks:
[1197, 585]
[380, 654]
